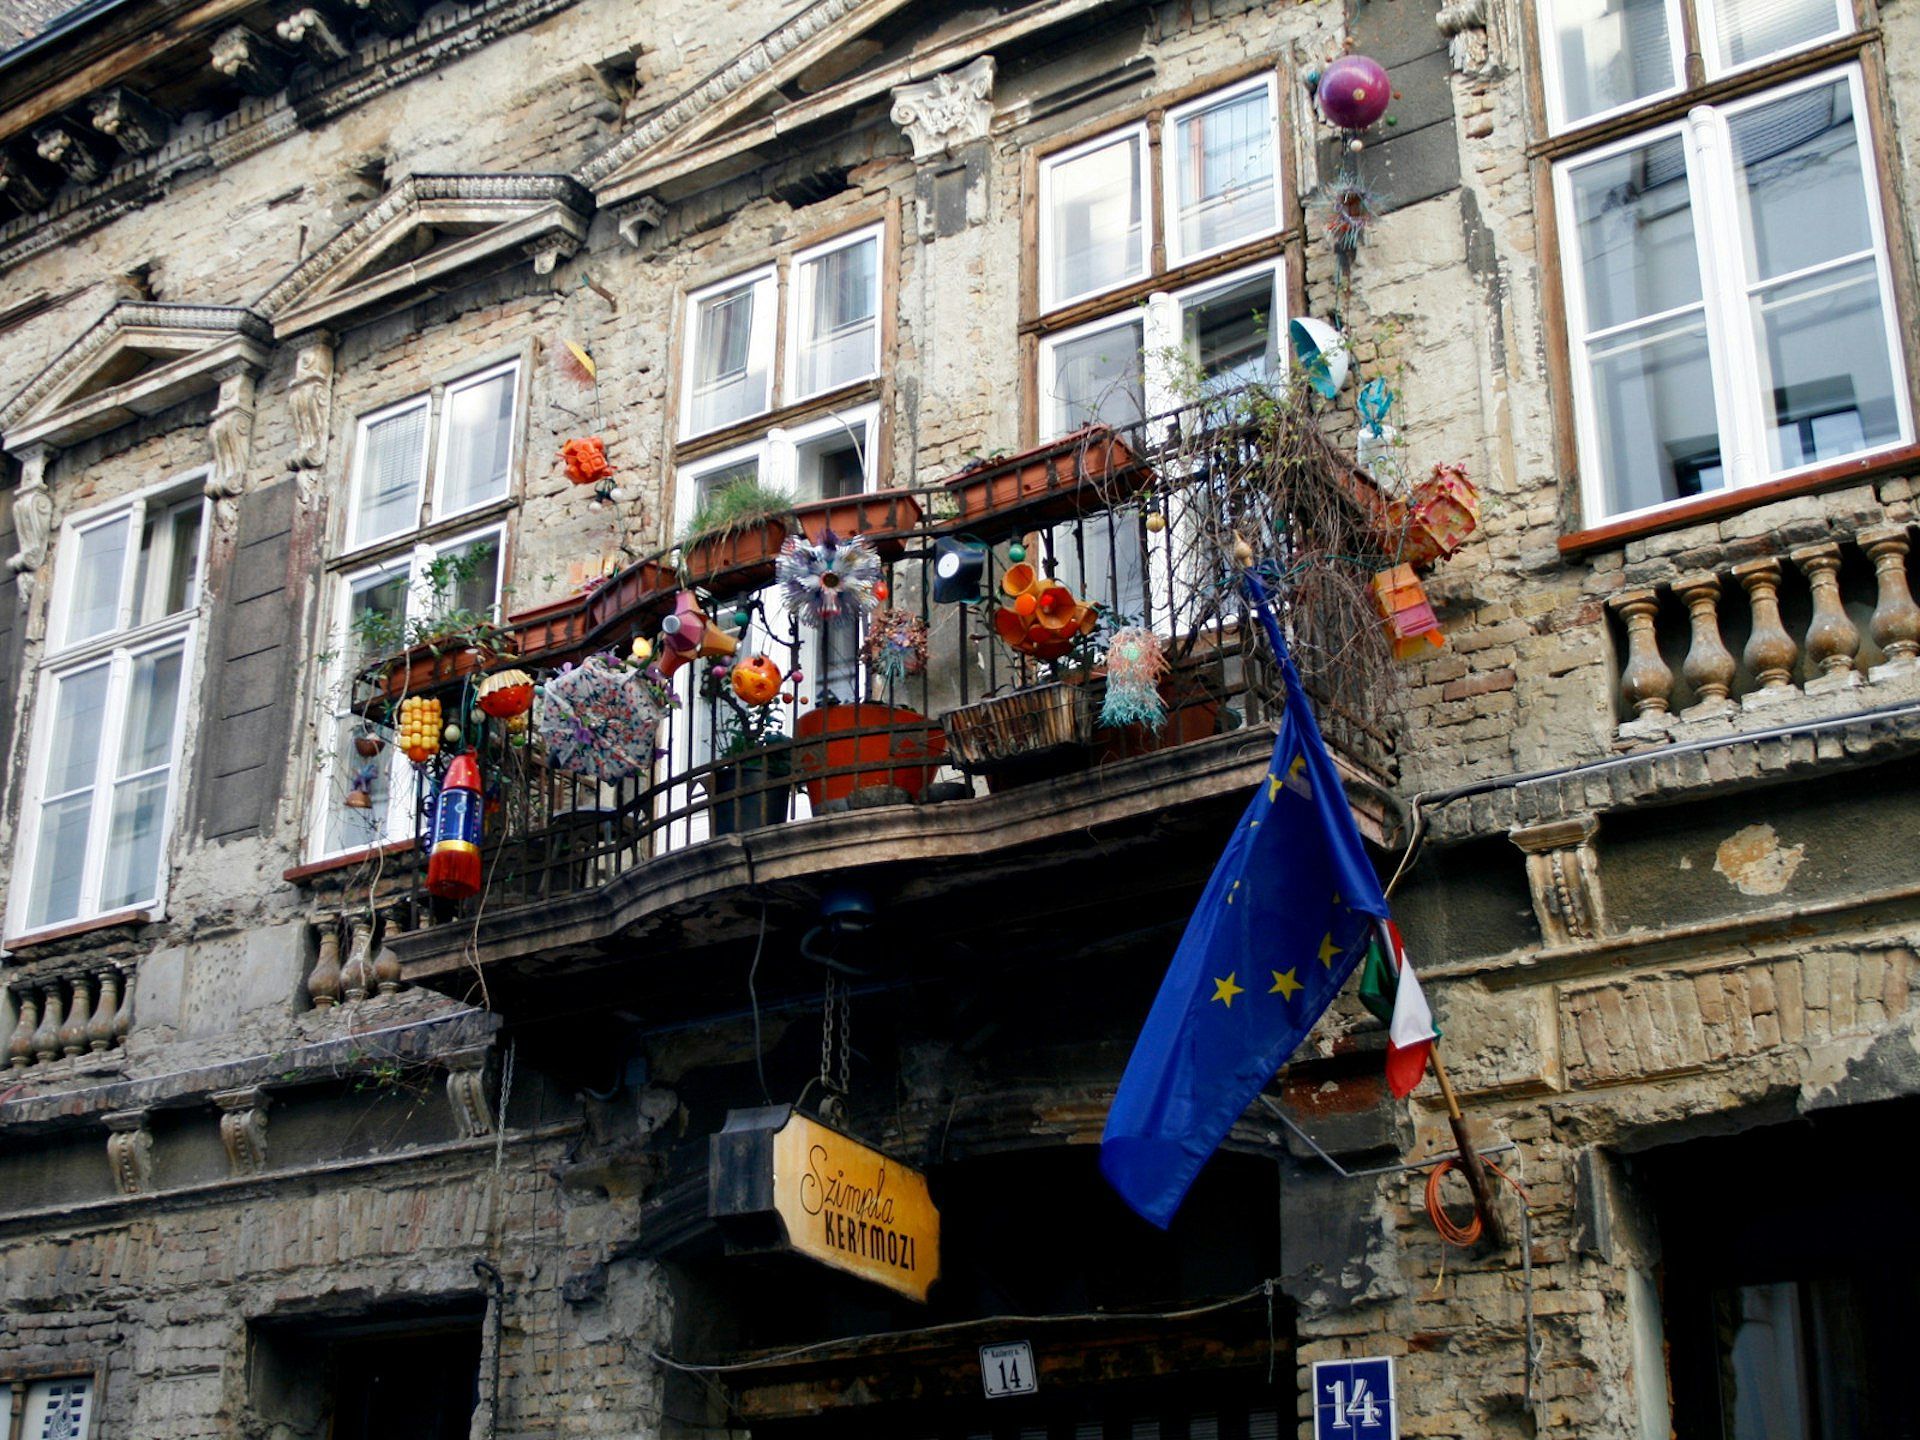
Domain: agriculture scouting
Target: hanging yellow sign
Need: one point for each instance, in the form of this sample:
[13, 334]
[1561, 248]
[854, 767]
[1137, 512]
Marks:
[855, 1209]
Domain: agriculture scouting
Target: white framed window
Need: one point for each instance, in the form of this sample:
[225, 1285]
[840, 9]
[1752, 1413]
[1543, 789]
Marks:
[1601, 58]
[834, 334]
[1180, 346]
[434, 456]
[58, 1409]
[1221, 161]
[106, 748]
[730, 348]
[1093, 217]
[1729, 302]
[460, 572]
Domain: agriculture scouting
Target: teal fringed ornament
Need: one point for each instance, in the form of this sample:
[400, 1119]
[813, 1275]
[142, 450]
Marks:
[1136, 664]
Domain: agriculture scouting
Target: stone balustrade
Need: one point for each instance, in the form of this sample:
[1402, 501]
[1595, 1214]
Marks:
[352, 962]
[86, 1010]
[1820, 619]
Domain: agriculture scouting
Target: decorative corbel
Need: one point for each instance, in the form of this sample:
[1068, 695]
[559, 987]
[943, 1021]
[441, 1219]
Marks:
[467, 1091]
[550, 252]
[950, 110]
[230, 431]
[130, 1151]
[311, 396]
[1463, 23]
[255, 64]
[646, 213]
[243, 1128]
[394, 17]
[1563, 872]
[22, 187]
[32, 518]
[134, 124]
[307, 31]
[83, 160]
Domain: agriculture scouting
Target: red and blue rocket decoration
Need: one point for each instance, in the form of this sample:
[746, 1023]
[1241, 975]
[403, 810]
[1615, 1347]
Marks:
[453, 862]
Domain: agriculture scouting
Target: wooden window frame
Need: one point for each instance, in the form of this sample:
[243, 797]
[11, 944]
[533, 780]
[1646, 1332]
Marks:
[1285, 245]
[1864, 47]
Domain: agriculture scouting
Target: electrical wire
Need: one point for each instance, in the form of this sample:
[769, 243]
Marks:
[753, 998]
[1264, 1290]
[1450, 1231]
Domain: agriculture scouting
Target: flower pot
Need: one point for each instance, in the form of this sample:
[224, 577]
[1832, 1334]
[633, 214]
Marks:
[736, 562]
[884, 517]
[426, 668]
[1023, 730]
[1045, 485]
[733, 811]
[874, 738]
[605, 617]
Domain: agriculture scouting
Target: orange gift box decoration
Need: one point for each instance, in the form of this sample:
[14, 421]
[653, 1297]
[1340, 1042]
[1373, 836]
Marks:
[586, 460]
[1411, 624]
[1444, 511]
[1044, 619]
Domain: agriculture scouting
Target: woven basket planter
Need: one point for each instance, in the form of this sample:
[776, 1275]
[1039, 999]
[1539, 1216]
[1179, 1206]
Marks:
[1013, 731]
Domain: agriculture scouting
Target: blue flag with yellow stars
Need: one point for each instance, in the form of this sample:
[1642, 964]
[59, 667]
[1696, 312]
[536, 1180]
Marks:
[1282, 923]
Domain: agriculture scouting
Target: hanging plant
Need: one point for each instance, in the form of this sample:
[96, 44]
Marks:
[896, 646]
[820, 576]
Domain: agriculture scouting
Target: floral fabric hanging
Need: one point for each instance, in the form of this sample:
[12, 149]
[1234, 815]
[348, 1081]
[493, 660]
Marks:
[601, 718]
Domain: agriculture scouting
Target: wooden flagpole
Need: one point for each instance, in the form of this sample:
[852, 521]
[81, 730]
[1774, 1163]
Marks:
[1471, 1165]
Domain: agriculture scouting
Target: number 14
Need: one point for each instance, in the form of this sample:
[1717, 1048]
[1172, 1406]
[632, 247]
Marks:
[1359, 1406]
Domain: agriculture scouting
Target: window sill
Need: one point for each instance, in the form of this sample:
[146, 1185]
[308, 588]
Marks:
[36, 938]
[1731, 502]
[315, 869]
[755, 427]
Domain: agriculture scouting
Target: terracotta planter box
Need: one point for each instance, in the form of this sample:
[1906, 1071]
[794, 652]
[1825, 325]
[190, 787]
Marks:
[606, 617]
[1046, 485]
[885, 517]
[735, 563]
[420, 671]
[892, 747]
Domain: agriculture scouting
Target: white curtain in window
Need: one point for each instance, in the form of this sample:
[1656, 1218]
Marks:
[387, 489]
[1751, 30]
[1094, 219]
[1099, 378]
[479, 438]
[1610, 53]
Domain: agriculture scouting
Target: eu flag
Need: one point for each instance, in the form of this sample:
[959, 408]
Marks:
[1282, 923]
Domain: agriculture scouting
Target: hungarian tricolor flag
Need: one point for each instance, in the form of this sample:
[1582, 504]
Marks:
[1390, 989]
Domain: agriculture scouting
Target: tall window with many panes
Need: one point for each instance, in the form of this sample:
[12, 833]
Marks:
[429, 484]
[104, 774]
[1729, 298]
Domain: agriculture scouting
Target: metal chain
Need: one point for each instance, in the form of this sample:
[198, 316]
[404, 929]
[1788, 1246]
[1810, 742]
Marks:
[846, 1039]
[826, 1037]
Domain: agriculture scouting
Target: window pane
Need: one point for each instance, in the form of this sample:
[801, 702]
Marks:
[837, 345]
[99, 566]
[153, 701]
[1098, 378]
[831, 467]
[1611, 53]
[1764, 1380]
[79, 711]
[1826, 379]
[60, 861]
[729, 377]
[1229, 335]
[1223, 167]
[1634, 229]
[382, 595]
[388, 485]
[1753, 29]
[1094, 220]
[479, 443]
[1654, 419]
[134, 835]
[473, 576]
[1797, 165]
[57, 1409]
[351, 827]
[166, 574]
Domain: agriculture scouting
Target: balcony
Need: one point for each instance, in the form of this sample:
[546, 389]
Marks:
[951, 749]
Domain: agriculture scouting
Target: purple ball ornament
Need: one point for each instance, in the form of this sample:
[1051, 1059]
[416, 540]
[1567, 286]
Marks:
[1354, 92]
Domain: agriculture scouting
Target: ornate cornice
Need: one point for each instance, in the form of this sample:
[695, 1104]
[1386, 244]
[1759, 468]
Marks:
[216, 323]
[502, 199]
[723, 84]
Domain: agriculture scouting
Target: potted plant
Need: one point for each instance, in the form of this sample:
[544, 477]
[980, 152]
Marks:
[730, 542]
[444, 645]
[1043, 485]
[750, 783]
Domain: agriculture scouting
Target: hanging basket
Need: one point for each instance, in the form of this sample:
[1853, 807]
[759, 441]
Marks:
[1014, 730]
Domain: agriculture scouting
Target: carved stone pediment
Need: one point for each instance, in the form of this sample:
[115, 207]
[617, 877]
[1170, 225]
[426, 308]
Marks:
[428, 228]
[140, 358]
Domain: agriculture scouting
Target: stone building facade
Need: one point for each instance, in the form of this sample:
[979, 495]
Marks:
[301, 304]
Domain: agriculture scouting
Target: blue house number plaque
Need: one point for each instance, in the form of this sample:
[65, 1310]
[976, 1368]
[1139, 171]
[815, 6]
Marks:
[1353, 1400]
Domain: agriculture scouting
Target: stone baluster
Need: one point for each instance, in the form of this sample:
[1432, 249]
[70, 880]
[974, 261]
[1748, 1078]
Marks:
[1709, 666]
[1646, 681]
[123, 1017]
[323, 985]
[1770, 651]
[73, 1034]
[1896, 619]
[357, 976]
[386, 964]
[46, 1040]
[107, 1013]
[1832, 637]
[20, 1045]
